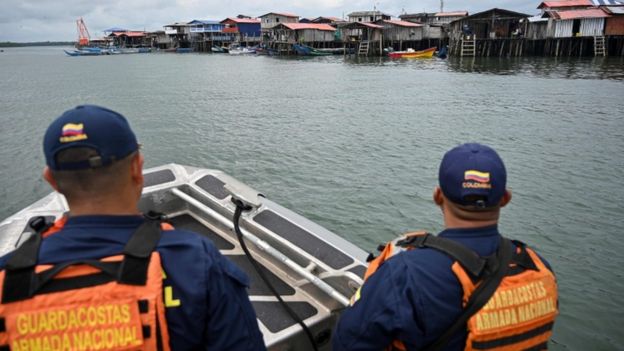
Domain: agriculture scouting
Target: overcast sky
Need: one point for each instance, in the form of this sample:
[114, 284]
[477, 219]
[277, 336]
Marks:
[54, 20]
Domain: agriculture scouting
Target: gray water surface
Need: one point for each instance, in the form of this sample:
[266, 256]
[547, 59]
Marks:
[354, 144]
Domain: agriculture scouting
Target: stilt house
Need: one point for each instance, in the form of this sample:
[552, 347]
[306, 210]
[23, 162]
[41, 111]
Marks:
[491, 24]
[576, 23]
[303, 33]
[242, 30]
[272, 19]
[615, 24]
[399, 31]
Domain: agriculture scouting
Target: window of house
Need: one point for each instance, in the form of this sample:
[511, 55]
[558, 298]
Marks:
[372, 18]
[277, 19]
[359, 19]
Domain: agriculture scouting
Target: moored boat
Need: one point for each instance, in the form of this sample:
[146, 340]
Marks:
[240, 50]
[83, 52]
[313, 269]
[411, 53]
[305, 50]
[218, 49]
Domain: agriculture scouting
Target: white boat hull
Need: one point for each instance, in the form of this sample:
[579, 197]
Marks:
[316, 272]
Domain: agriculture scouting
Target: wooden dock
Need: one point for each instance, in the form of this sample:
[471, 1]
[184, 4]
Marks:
[551, 47]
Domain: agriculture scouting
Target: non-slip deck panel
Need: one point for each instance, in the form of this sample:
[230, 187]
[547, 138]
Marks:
[275, 318]
[187, 222]
[213, 186]
[257, 286]
[158, 177]
[303, 239]
[359, 270]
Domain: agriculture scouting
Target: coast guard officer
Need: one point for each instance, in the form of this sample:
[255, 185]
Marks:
[94, 160]
[421, 292]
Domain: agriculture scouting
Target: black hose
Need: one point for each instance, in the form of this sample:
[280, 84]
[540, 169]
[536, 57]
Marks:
[240, 207]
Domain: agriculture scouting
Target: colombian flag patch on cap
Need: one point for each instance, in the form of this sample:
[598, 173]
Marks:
[73, 132]
[481, 177]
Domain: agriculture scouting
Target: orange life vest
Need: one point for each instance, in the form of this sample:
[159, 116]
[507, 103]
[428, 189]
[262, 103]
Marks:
[114, 303]
[518, 315]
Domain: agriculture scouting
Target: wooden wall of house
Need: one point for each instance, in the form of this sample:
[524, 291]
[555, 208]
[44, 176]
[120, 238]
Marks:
[430, 32]
[615, 26]
[536, 30]
[283, 35]
[313, 35]
[591, 27]
[397, 33]
[561, 29]
[348, 33]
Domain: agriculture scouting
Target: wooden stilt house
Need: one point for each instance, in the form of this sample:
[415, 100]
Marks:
[366, 38]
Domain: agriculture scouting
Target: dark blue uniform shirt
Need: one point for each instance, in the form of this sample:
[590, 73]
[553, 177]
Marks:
[413, 297]
[214, 312]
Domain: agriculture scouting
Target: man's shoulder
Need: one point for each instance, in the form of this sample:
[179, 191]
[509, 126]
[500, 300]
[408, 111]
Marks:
[179, 241]
[187, 248]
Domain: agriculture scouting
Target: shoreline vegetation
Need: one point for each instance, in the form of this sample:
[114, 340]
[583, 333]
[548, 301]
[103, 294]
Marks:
[10, 44]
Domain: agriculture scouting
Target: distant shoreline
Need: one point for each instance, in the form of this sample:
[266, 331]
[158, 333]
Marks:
[9, 44]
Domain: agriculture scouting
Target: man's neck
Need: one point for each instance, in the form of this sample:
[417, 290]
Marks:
[112, 208]
[454, 223]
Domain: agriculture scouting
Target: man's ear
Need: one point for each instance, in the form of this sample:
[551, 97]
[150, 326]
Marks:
[136, 168]
[47, 175]
[438, 198]
[506, 198]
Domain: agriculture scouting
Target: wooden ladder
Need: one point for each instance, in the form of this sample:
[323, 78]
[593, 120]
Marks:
[599, 46]
[468, 46]
[363, 49]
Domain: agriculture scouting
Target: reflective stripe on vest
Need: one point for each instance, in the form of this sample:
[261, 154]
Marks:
[521, 313]
[115, 303]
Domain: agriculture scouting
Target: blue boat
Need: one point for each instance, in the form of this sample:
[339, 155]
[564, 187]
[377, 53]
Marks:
[83, 53]
[305, 50]
[184, 50]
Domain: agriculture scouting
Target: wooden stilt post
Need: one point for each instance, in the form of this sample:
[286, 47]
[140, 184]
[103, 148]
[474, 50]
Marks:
[581, 49]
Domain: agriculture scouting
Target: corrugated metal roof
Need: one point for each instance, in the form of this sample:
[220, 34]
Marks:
[115, 29]
[615, 10]
[365, 24]
[129, 34]
[607, 3]
[242, 20]
[335, 19]
[203, 22]
[285, 14]
[451, 14]
[367, 13]
[537, 18]
[565, 3]
[576, 14]
[402, 23]
[493, 11]
[317, 26]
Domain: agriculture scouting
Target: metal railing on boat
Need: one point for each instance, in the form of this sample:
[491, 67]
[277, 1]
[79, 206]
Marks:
[266, 247]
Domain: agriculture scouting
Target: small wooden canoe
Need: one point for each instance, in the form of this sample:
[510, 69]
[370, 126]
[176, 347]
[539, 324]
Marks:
[427, 53]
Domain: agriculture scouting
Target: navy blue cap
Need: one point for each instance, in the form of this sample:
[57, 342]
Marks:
[473, 175]
[105, 131]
